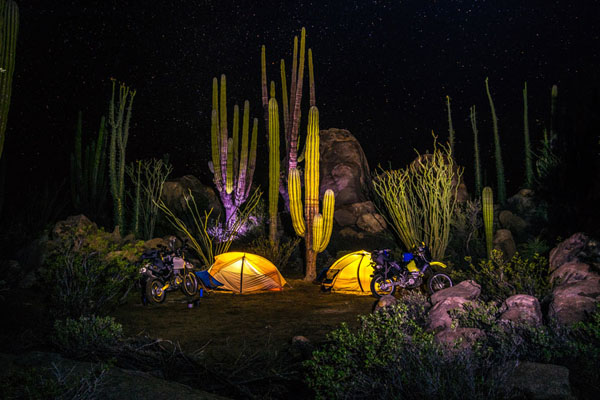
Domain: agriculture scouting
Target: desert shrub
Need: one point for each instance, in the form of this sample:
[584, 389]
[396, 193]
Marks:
[392, 356]
[89, 274]
[534, 246]
[86, 336]
[465, 237]
[279, 254]
[500, 279]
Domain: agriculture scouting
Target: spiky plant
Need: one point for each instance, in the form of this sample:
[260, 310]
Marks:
[450, 127]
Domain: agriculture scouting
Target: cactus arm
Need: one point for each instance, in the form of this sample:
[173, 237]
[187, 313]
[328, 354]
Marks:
[9, 28]
[297, 98]
[263, 80]
[293, 83]
[317, 232]
[284, 101]
[252, 157]
[327, 226]
[488, 217]
[296, 202]
[498, 151]
[311, 79]
[450, 127]
[241, 183]
[223, 126]
[229, 176]
[236, 142]
[274, 165]
[553, 102]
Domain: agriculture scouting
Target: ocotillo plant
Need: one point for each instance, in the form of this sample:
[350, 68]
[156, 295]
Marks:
[498, 152]
[9, 27]
[232, 171]
[473, 117]
[487, 198]
[119, 118]
[88, 185]
[315, 228]
[450, 127]
[291, 105]
[528, 153]
[273, 168]
[553, 102]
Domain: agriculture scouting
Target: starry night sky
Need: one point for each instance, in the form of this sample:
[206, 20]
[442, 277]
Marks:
[383, 70]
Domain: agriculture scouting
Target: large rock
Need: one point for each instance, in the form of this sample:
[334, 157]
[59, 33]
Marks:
[175, 192]
[503, 241]
[572, 271]
[385, 302]
[573, 301]
[568, 250]
[522, 309]
[513, 223]
[468, 290]
[540, 381]
[439, 318]
[343, 166]
[523, 203]
[459, 337]
[372, 223]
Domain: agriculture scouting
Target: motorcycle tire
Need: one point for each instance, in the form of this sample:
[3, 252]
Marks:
[189, 286]
[376, 283]
[154, 292]
[438, 282]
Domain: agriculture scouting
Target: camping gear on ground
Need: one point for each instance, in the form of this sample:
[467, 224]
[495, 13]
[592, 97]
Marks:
[349, 274]
[207, 281]
[245, 272]
[166, 270]
[389, 275]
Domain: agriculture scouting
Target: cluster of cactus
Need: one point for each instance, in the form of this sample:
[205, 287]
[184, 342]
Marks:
[232, 171]
[9, 27]
[88, 184]
[487, 199]
[314, 227]
[119, 118]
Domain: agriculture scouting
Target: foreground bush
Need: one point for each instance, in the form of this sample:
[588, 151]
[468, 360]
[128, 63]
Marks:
[86, 336]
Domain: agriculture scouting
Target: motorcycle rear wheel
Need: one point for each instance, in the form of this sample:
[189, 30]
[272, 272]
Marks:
[154, 292]
[190, 284]
[438, 282]
[388, 286]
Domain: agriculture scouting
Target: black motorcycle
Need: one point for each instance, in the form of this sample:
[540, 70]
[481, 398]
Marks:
[164, 270]
[389, 275]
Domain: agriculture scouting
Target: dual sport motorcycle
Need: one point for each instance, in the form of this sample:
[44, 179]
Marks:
[164, 270]
[389, 275]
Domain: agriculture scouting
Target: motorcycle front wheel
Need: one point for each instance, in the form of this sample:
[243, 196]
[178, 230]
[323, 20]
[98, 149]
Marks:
[154, 292]
[438, 282]
[190, 284]
[380, 286]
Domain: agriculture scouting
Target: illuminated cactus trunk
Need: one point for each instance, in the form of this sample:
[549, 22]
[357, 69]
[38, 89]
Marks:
[9, 27]
[232, 170]
[487, 199]
[315, 228]
[273, 168]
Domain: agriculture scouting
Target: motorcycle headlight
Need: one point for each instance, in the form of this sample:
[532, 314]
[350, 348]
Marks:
[143, 270]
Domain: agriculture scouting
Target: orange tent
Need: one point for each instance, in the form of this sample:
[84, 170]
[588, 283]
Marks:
[245, 272]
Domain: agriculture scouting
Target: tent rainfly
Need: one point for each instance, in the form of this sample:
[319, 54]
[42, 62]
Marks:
[244, 272]
[350, 274]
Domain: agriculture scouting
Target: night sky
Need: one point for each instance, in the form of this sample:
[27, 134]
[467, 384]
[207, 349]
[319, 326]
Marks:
[383, 70]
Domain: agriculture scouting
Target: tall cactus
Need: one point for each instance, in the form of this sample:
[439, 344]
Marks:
[450, 127]
[473, 117]
[487, 199]
[553, 103]
[119, 118]
[498, 151]
[9, 27]
[232, 170]
[315, 228]
[274, 165]
[528, 153]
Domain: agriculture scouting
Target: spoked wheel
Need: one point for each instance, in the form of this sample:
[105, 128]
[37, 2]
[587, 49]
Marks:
[438, 282]
[154, 292]
[190, 284]
[381, 286]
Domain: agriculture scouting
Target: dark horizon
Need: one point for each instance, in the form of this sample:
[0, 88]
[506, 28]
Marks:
[383, 70]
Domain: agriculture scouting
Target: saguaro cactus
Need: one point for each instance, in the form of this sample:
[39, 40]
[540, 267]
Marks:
[119, 133]
[498, 152]
[9, 27]
[473, 117]
[487, 198]
[232, 171]
[274, 165]
[315, 228]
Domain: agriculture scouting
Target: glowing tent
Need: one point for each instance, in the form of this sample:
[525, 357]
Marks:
[245, 272]
[350, 274]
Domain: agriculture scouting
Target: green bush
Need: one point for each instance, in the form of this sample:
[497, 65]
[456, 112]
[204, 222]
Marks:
[89, 273]
[392, 356]
[86, 336]
[278, 254]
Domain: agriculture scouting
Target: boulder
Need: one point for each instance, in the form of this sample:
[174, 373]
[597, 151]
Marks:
[343, 167]
[573, 301]
[513, 223]
[523, 203]
[384, 302]
[503, 241]
[439, 318]
[75, 224]
[568, 250]
[372, 223]
[531, 380]
[175, 192]
[522, 309]
[459, 337]
[468, 290]
[572, 271]
[344, 217]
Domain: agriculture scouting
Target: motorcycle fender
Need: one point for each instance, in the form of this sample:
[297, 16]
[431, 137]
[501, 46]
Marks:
[437, 264]
[412, 266]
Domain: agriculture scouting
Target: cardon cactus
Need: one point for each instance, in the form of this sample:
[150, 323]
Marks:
[273, 167]
[487, 199]
[498, 151]
[9, 27]
[316, 228]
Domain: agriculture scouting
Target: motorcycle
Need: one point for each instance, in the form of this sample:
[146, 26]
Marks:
[389, 275]
[164, 270]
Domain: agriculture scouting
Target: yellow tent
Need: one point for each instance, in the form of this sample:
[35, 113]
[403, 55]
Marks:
[245, 272]
[350, 274]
